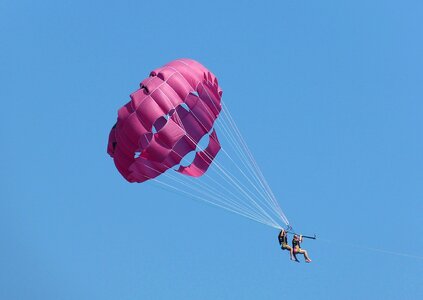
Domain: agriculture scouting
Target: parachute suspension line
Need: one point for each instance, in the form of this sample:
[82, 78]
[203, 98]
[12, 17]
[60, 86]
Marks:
[213, 203]
[264, 200]
[260, 177]
[242, 158]
[222, 202]
[214, 194]
[237, 184]
[241, 153]
[251, 198]
[241, 207]
[367, 248]
[276, 207]
[257, 170]
[241, 187]
[237, 201]
[209, 199]
[245, 203]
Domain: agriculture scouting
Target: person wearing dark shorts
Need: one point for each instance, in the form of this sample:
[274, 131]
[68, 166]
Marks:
[283, 242]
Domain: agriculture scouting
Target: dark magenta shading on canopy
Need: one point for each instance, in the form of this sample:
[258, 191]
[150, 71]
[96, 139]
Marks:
[166, 118]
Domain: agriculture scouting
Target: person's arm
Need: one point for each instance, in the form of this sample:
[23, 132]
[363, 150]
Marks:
[301, 238]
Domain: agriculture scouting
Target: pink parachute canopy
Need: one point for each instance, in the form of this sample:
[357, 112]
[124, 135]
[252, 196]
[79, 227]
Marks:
[166, 118]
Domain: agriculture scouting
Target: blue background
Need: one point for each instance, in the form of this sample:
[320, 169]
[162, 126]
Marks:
[328, 95]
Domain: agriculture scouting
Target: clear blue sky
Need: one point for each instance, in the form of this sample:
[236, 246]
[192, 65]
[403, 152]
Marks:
[336, 87]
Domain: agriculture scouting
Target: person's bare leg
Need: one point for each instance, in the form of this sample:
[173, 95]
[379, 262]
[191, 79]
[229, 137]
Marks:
[307, 258]
[304, 252]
